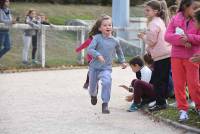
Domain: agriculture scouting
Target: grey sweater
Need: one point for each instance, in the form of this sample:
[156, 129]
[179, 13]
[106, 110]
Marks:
[5, 17]
[33, 23]
[106, 47]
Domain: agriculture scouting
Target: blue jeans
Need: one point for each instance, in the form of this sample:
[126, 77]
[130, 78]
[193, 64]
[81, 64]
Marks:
[5, 42]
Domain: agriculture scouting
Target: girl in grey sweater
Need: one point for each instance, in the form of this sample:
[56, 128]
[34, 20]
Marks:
[32, 20]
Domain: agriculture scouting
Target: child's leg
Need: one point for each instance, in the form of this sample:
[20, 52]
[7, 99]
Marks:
[5, 40]
[86, 84]
[93, 76]
[161, 79]
[27, 42]
[192, 74]
[105, 77]
[179, 79]
[34, 46]
[87, 79]
[142, 88]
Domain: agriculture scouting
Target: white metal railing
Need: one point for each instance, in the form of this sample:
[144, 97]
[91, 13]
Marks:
[42, 35]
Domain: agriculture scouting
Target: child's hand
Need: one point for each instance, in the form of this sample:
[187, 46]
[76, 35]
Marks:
[124, 65]
[141, 35]
[124, 86]
[129, 98]
[14, 21]
[195, 58]
[184, 38]
[101, 59]
[188, 45]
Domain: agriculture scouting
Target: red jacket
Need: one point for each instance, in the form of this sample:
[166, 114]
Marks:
[85, 45]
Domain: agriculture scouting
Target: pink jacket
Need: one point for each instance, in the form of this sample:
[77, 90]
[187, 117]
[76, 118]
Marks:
[156, 44]
[193, 34]
[85, 45]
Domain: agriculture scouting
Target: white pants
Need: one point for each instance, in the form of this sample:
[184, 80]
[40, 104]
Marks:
[25, 52]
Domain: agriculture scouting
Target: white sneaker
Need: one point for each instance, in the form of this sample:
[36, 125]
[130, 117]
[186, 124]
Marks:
[183, 116]
[151, 104]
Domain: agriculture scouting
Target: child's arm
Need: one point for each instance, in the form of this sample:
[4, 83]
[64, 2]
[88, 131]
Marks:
[195, 58]
[129, 89]
[92, 48]
[31, 23]
[194, 39]
[120, 55]
[151, 36]
[130, 98]
[171, 36]
[84, 45]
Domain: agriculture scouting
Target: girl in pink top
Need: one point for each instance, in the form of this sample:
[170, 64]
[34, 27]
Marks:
[93, 32]
[196, 57]
[185, 40]
[159, 50]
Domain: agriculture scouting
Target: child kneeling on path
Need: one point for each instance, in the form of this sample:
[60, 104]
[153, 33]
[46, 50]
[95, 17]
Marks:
[102, 49]
[142, 89]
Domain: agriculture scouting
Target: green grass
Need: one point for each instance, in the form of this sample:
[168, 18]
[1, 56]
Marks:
[58, 14]
[173, 114]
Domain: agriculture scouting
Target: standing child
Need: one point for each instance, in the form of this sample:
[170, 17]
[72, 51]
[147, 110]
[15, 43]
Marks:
[159, 50]
[102, 49]
[93, 32]
[141, 87]
[29, 35]
[40, 18]
[183, 47]
[6, 18]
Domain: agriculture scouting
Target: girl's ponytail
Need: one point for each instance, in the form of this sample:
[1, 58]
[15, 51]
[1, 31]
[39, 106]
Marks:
[164, 13]
[161, 7]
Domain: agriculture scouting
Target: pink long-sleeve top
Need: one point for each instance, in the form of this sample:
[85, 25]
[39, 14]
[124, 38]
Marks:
[154, 38]
[85, 45]
[193, 34]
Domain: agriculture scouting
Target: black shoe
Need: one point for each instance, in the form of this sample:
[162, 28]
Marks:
[157, 107]
[86, 85]
[105, 108]
[93, 100]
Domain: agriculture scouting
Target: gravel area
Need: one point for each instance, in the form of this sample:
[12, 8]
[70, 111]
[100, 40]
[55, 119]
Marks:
[54, 102]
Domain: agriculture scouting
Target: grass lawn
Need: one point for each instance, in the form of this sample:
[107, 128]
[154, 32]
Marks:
[58, 14]
[173, 114]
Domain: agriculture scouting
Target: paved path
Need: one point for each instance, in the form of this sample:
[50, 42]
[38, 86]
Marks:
[53, 102]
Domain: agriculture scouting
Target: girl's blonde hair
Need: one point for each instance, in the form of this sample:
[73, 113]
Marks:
[95, 28]
[161, 7]
[173, 10]
[30, 11]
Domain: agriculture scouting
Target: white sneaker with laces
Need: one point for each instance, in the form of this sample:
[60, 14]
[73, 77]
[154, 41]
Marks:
[151, 104]
[183, 116]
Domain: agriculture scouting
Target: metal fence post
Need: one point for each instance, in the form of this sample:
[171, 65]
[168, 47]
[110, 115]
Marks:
[42, 45]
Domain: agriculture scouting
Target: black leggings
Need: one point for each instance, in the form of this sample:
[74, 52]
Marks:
[160, 80]
[34, 46]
